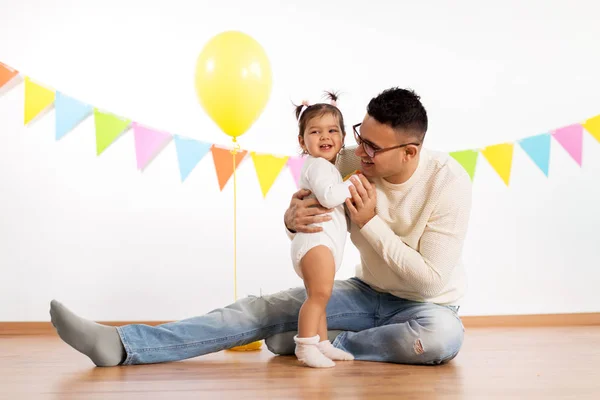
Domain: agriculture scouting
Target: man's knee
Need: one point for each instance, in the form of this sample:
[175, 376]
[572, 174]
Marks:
[437, 342]
[281, 344]
[442, 340]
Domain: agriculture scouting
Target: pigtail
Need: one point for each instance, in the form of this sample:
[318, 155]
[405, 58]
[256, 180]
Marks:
[299, 109]
[332, 97]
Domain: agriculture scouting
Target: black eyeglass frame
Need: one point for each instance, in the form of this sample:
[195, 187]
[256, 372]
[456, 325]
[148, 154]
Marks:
[368, 145]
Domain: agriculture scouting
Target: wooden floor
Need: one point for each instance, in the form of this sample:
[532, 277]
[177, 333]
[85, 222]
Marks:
[495, 363]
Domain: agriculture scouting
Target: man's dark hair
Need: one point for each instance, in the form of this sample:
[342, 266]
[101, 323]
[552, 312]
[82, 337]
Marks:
[400, 109]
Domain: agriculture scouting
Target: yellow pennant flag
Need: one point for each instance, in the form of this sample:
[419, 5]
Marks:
[500, 158]
[267, 168]
[592, 125]
[37, 99]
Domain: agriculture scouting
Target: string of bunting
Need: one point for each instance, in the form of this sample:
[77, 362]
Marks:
[149, 142]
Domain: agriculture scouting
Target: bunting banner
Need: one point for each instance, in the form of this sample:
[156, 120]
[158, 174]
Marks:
[295, 165]
[538, 149]
[150, 142]
[189, 153]
[468, 160]
[571, 139]
[592, 125]
[223, 159]
[69, 113]
[6, 74]
[38, 98]
[108, 128]
[267, 169]
[500, 158]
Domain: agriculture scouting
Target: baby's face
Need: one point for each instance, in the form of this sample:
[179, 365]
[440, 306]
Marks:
[323, 137]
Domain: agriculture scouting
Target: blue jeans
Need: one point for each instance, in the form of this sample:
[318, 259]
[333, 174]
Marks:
[374, 327]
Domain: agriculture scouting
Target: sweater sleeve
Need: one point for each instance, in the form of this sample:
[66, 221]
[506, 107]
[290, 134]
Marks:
[440, 246]
[323, 179]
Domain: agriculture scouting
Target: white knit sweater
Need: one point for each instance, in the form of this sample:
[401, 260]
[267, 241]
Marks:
[412, 248]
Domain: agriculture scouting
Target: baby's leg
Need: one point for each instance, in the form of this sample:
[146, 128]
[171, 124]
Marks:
[327, 348]
[318, 271]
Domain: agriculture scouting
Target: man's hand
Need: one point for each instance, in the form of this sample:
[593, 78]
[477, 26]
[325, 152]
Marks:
[363, 202]
[303, 212]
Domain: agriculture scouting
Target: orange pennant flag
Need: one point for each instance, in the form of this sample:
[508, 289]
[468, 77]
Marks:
[6, 74]
[223, 160]
[500, 158]
[267, 168]
[592, 125]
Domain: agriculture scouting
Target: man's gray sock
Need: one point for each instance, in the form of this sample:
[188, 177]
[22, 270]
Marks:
[101, 343]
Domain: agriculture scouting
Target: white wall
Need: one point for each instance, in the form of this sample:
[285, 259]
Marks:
[116, 244]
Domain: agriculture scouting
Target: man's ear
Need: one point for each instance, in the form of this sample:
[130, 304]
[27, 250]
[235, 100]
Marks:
[410, 152]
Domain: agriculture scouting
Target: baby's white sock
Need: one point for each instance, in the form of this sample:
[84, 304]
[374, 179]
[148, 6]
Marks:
[309, 354]
[334, 353]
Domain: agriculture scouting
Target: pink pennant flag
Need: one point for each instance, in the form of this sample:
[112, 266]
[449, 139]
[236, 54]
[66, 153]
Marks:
[295, 165]
[148, 143]
[571, 139]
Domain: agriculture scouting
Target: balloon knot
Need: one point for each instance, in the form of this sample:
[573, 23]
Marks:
[236, 147]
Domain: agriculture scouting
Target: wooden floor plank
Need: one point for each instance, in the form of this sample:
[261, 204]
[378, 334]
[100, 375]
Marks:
[495, 363]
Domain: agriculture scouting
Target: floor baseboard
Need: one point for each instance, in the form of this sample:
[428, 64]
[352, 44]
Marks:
[491, 321]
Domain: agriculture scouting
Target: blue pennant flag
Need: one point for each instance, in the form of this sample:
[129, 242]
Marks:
[69, 113]
[189, 154]
[538, 149]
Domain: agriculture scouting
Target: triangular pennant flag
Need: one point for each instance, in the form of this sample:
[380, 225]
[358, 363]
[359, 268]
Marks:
[295, 165]
[500, 158]
[108, 128]
[592, 125]
[468, 160]
[189, 154]
[538, 149]
[571, 139]
[69, 113]
[6, 74]
[267, 168]
[223, 160]
[37, 99]
[148, 143]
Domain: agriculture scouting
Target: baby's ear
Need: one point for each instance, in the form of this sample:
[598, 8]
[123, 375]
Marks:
[301, 143]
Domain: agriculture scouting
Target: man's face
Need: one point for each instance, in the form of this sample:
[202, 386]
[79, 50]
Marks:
[378, 136]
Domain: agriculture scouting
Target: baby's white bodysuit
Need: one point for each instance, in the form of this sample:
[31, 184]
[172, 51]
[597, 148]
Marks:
[325, 182]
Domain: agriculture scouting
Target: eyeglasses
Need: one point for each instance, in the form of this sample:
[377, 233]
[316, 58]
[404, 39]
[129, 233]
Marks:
[370, 148]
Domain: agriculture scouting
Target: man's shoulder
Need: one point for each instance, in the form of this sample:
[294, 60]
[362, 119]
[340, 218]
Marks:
[446, 170]
[347, 161]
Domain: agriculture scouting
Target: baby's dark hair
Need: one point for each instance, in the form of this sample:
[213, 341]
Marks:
[318, 110]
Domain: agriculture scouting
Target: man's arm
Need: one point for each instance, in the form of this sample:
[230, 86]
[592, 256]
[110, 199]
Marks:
[302, 213]
[440, 246]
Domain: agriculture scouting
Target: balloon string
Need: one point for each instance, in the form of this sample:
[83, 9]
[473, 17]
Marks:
[234, 151]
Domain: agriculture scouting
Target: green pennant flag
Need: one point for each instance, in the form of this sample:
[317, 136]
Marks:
[108, 128]
[468, 159]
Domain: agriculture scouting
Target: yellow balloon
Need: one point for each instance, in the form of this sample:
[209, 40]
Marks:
[233, 81]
